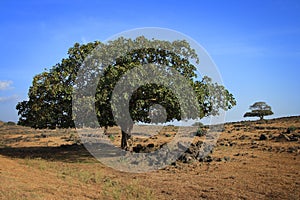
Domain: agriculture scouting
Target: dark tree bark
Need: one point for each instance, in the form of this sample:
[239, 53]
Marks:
[261, 117]
[105, 130]
[126, 134]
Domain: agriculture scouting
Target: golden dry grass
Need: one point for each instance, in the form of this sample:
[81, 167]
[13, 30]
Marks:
[34, 165]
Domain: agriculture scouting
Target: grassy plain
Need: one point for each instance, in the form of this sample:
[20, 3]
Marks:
[48, 164]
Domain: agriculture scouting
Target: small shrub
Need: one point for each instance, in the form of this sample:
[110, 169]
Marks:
[200, 132]
[111, 137]
[11, 123]
[168, 135]
[199, 124]
[291, 129]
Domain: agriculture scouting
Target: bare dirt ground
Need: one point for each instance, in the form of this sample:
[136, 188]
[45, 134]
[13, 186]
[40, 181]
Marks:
[251, 160]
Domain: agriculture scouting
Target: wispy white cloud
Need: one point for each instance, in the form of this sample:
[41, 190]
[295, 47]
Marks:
[9, 98]
[4, 85]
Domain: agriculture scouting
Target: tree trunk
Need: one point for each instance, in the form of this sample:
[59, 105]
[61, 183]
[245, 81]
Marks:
[126, 134]
[261, 117]
[124, 140]
[105, 130]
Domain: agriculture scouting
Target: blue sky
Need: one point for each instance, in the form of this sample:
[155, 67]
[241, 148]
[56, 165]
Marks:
[255, 44]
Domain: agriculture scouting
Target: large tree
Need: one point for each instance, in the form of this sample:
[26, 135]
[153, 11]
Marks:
[259, 109]
[50, 96]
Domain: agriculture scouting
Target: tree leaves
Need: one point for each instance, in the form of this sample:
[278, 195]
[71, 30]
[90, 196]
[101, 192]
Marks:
[50, 96]
[259, 109]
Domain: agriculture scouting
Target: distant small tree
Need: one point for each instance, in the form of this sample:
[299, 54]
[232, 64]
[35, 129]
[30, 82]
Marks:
[10, 123]
[259, 109]
[199, 124]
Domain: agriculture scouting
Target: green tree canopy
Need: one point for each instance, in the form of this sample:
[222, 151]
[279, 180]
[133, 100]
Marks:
[259, 109]
[50, 96]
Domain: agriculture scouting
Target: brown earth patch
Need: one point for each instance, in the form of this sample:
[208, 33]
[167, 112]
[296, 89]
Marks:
[50, 164]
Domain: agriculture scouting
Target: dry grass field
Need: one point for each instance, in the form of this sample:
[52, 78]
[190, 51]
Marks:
[251, 160]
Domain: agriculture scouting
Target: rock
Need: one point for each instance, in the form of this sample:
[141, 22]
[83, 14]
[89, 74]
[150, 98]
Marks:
[151, 145]
[263, 137]
[196, 152]
[226, 158]
[254, 142]
[296, 135]
[232, 143]
[189, 159]
[189, 151]
[137, 148]
[199, 144]
[186, 158]
[292, 138]
[163, 145]
[282, 138]
[243, 137]
[182, 145]
[206, 159]
[292, 150]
